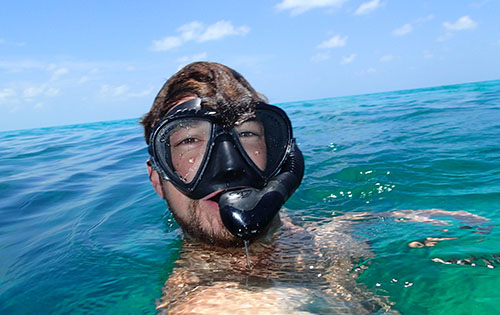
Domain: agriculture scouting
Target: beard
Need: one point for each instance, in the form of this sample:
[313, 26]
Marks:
[202, 226]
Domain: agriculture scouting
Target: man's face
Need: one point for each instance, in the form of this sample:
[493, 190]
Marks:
[201, 219]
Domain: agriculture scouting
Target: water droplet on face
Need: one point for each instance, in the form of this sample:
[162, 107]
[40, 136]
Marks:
[257, 152]
[191, 160]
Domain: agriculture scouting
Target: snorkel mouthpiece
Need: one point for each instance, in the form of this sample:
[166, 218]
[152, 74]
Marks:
[247, 212]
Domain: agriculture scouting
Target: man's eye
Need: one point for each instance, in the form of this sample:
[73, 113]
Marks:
[245, 134]
[187, 141]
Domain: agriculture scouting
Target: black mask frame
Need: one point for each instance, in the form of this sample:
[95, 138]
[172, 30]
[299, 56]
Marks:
[225, 165]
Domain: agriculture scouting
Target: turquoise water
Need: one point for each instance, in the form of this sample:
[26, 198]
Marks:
[82, 231]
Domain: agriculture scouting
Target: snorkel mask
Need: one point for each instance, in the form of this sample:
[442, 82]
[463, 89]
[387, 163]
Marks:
[249, 168]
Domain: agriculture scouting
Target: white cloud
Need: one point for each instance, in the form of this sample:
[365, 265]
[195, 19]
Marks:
[479, 4]
[58, 73]
[37, 91]
[348, 59]
[3, 41]
[335, 41]
[40, 84]
[222, 29]
[297, 7]
[142, 93]
[403, 30]
[463, 23]
[42, 80]
[197, 31]
[428, 54]
[320, 57]
[190, 31]
[386, 58]
[424, 19]
[166, 43]
[38, 105]
[444, 37]
[363, 73]
[32, 91]
[91, 74]
[121, 92]
[52, 68]
[367, 7]
[52, 92]
[6, 93]
[113, 91]
[83, 79]
[23, 65]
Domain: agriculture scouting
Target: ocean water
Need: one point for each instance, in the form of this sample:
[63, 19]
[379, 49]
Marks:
[82, 231]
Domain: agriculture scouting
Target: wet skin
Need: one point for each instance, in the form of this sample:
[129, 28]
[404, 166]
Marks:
[291, 267]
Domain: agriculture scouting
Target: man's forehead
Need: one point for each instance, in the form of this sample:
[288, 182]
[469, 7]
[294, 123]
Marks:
[185, 99]
[230, 112]
[181, 101]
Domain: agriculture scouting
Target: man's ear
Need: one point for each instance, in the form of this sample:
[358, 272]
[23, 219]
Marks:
[154, 177]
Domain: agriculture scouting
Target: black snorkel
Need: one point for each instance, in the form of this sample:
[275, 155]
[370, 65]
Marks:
[247, 212]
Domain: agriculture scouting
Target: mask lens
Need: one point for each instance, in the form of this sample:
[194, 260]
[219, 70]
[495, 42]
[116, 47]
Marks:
[265, 139]
[186, 142]
[252, 137]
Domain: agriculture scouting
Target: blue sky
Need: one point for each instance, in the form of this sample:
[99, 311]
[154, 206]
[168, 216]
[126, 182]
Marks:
[65, 62]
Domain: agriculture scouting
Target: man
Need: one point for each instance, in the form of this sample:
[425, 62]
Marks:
[225, 162]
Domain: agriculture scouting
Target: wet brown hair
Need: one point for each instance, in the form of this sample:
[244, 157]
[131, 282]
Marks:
[218, 86]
